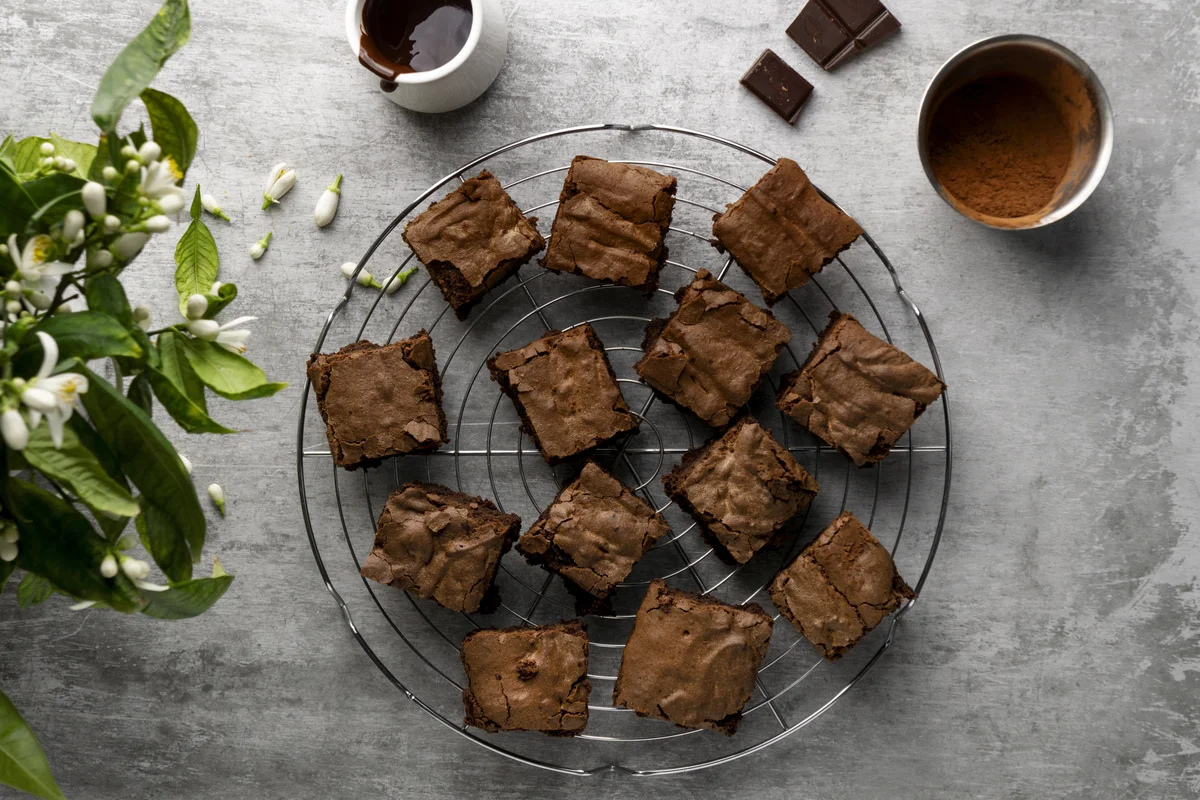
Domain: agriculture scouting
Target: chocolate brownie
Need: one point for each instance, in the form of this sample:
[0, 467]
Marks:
[611, 223]
[840, 587]
[472, 240]
[692, 660]
[710, 355]
[742, 487]
[441, 544]
[782, 232]
[565, 391]
[527, 679]
[379, 400]
[594, 532]
[857, 392]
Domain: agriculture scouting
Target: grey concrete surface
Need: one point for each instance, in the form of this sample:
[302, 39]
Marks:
[1056, 649]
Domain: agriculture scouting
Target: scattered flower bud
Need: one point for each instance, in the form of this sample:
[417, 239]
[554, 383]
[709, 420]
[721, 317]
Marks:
[8, 551]
[206, 329]
[134, 568]
[94, 199]
[364, 278]
[210, 205]
[187, 462]
[150, 151]
[133, 166]
[258, 248]
[171, 203]
[131, 244]
[327, 205]
[112, 222]
[218, 497]
[47, 149]
[100, 258]
[108, 567]
[399, 279]
[141, 315]
[110, 173]
[129, 151]
[73, 225]
[159, 223]
[83, 605]
[279, 182]
[9, 533]
[197, 306]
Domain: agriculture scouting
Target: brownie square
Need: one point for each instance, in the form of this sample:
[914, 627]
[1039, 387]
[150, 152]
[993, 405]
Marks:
[742, 487]
[840, 587]
[594, 532]
[565, 391]
[692, 660]
[611, 222]
[441, 544]
[857, 392]
[379, 401]
[527, 679]
[472, 240]
[782, 232]
[712, 352]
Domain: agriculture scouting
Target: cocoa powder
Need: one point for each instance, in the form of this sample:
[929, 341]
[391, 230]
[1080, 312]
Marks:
[1001, 146]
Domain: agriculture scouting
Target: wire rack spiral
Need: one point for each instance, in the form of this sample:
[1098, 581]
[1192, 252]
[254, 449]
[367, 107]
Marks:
[415, 643]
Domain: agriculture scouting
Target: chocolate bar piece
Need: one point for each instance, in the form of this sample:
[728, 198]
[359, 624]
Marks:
[834, 31]
[784, 90]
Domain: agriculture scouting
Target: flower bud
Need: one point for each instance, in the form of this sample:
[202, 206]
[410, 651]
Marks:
[217, 494]
[9, 533]
[327, 205]
[108, 567]
[129, 151]
[46, 149]
[141, 315]
[209, 203]
[112, 222]
[60, 164]
[216, 287]
[364, 278]
[258, 248]
[94, 199]
[398, 280]
[14, 429]
[187, 462]
[171, 203]
[100, 258]
[8, 551]
[14, 288]
[150, 151]
[130, 244]
[133, 166]
[72, 225]
[197, 307]
[40, 300]
[134, 568]
[110, 173]
[158, 224]
[205, 329]
[13, 307]
[48, 163]
[279, 182]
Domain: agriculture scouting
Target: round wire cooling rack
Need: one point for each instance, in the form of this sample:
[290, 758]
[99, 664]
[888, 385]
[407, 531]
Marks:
[415, 643]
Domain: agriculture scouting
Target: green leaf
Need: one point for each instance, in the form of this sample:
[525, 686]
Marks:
[81, 153]
[171, 513]
[228, 374]
[140, 61]
[84, 335]
[217, 302]
[190, 416]
[138, 138]
[190, 598]
[27, 155]
[91, 440]
[8, 147]
[174, 129]
[32, 590]
[23, 764]
[174, 365]
[76, 468]
[196, 262]
[58, 543]
[105, 293]
[139, 392]
[16, 207]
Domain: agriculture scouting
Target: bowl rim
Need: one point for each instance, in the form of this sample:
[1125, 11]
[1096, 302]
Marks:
[1105, 131]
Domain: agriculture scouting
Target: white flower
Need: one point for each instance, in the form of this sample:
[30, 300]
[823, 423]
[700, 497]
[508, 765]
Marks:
[327, 205]
[149, 151]
[14, 429]
[210, 205]
[224, 335]
[52, 396]
[196, 307]
[258, 248]
[187, 462]
[364, 278]
[217, 494]
[46, 149]
[158, 224]
[134, 568]
[171, 204]
[94, 199]
[160, 179]
[8, 551]
[131, 244]
[72, 225]
[141, 315]
[398, 280]
[279, 182]
[36, 274]
[108, 567]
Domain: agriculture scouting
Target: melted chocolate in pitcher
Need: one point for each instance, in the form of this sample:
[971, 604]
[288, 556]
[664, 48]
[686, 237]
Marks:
[397, 37]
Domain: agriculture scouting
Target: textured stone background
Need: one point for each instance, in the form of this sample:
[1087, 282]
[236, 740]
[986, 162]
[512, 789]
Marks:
[1056, 651]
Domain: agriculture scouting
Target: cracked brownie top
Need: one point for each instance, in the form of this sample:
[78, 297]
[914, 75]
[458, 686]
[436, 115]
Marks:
[527, 679]
[440, 544]
[710, 354]
[857, 392]
[611, 223]
[379, 401]
[840, 587]
[692, 659]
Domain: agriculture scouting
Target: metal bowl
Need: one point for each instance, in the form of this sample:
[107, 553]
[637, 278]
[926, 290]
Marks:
[1067, 79]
